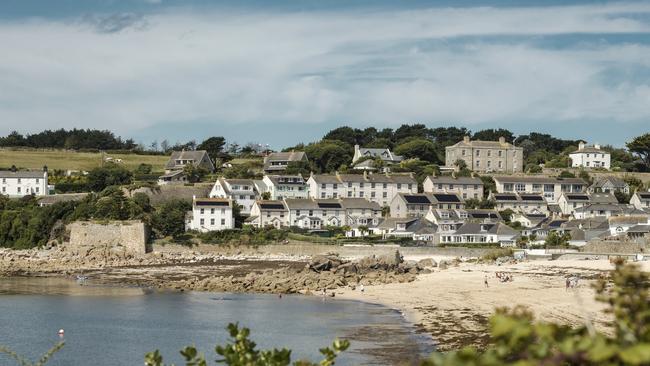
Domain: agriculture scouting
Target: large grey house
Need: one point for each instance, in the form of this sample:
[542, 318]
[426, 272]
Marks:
[277, 162]
[486, 156]
[180, 159]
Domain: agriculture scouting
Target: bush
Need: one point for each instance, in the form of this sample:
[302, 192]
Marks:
[493, 254]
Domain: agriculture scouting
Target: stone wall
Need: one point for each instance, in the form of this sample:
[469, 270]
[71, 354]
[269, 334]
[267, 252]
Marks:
[115, 237]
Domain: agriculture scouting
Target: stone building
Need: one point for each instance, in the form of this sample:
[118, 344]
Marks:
[486, 156]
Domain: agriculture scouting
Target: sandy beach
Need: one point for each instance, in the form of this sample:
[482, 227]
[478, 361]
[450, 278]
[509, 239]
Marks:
[453, 305]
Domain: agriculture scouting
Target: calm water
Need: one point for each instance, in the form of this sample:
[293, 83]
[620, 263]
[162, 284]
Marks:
[117, 326]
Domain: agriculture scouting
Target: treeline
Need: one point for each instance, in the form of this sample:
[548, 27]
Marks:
[75, 139]
[24, 224]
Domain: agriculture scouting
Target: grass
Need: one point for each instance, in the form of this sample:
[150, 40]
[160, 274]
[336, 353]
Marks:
[70, 160]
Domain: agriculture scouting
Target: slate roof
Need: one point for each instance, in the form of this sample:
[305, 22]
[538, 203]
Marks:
[360, 178]
[384, 154]
[474, 228]
[447, 179]
[615, 182]
[539, 180]
[271, 205]
[195, 155]
[359, 203]
[27, 174]
[283, 157]
[602, 198]
[212, 202]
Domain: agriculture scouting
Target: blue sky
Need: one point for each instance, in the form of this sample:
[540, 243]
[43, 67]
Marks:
[284, 72]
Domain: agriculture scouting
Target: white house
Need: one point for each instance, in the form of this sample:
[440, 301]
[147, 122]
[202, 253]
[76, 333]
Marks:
[418, 204]
[268, 213]
[307, 213]
[210, 214]
[380, 188]
[528, 203]
[360, 212]
[241, 191]
[17, 183]
[569, 202]
[482, 233]
[590, 157]
[285, 186]
[466, 187]
[373, 153]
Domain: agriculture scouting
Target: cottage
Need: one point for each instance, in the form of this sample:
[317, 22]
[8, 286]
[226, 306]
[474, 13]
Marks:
[619, 225]
[277, 162]
[590, 157]
[367, 155]
[529, 203]
[307, 213]
[210, 214]
[180, 159]
[609, 184]
[360, 212]
[268, 213]
[486, 156]
[466, 187]
[16, 183]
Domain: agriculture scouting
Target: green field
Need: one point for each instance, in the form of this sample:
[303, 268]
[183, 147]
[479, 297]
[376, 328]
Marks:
[71, 160]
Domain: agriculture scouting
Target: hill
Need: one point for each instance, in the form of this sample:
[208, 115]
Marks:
[71, 160]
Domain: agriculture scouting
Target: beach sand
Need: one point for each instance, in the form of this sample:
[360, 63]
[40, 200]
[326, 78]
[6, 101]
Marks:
[453, 305]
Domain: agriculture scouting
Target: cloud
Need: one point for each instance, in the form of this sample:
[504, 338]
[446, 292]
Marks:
[466, 65]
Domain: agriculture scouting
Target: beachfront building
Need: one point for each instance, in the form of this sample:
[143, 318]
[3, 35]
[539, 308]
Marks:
[277, 162]
[379, 188]
[466, 187]
[285, 186]
[268, 213]
[418, 204]
[242, 191]
[18, 183]
[360, 213]
[307, 213]
[210, 214]
[590, 157]
[486, 156]
[482, 233]
[550, 187]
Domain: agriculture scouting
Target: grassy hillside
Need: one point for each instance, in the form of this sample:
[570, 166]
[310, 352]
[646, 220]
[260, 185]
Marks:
[63, 159]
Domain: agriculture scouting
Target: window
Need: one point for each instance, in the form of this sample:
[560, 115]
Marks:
[489, 163]
[372, 185]
[399, 185]
[335, 195]
[322, 195]
[297, 212]
[520, 187]
[202, 211]
[211, 221]
[311, 212]
[462, 152]
[372, 194]
[464, 195]
[451, 186]
[385, 185]
[19, 180]
[324, 213]
[323, 186]
[252, 197]
[349, 184]
[349, 193]
[489, 153]
[335, 186]
[212, 211]
[385, 195]
[223, 221]
[360, 185]
[202, 221]
[38, 180]
[4, 180]
[478, 163]
[4, 189]
[500, 164]
[439, 186]
[478, 152]
[361, 194]
[38, 189]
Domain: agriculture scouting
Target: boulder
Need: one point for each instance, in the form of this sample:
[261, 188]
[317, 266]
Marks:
[427, 263]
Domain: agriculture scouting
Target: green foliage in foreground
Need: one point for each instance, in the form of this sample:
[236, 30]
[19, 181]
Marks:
[20, 360]
[242, 352]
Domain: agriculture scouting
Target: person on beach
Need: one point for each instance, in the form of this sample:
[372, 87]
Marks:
[361, 288]
[568, 284]
[486, 282]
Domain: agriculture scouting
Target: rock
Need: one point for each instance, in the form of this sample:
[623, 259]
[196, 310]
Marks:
[427, 263]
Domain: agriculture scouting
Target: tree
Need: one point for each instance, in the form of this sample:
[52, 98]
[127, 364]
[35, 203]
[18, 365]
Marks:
[555, 240]
[329, 155]
[302, 167]
[533, 169]
[214, 146]
[566, 174]
[112, 175]
[418, 148]
[492, 134]
[143, 169]
[266, 196]
[363, 229]
[640, 146]
[194, 173]
[169, 219]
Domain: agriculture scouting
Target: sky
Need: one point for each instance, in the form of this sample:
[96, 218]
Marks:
[283, 72]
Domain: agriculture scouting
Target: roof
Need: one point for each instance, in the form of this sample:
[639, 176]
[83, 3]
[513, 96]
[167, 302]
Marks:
[281, 157]
[172, 174]
[390, 222]
[540, 180]
[21, 174]
[368, 164]
[486, 144]
[212, 202]
[286, 179]
[65, 197]
[635, 219]
[359, 203]
[531, 197]
[598, 222]
[614, 181]
[384, 154]
[576, 197]
[589, 149]
[271, 205]
[604, 207]
[446, 197]
[239, 181]
[363, 178]
[416, 198]
[484, 214]
[505, 197]
[639, 229]
[603, 198]
[643, 196]
[446, 179]
[196, 155]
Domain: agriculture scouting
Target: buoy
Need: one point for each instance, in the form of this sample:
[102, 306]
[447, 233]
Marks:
[61, 332]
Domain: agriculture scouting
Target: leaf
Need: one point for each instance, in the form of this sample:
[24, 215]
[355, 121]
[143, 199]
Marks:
[637, 354]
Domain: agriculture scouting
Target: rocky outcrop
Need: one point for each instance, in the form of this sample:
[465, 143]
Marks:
[326, 272]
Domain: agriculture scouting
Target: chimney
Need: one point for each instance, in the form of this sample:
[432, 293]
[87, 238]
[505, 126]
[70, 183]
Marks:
[502, 140]
[581, 145]
[597, 146]
[13, 168]
[466, 139]
[365, 174]
[45, 168]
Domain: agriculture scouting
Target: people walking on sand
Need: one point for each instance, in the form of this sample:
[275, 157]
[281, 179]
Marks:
[361, 288]
[485, 281]
[568, 284]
